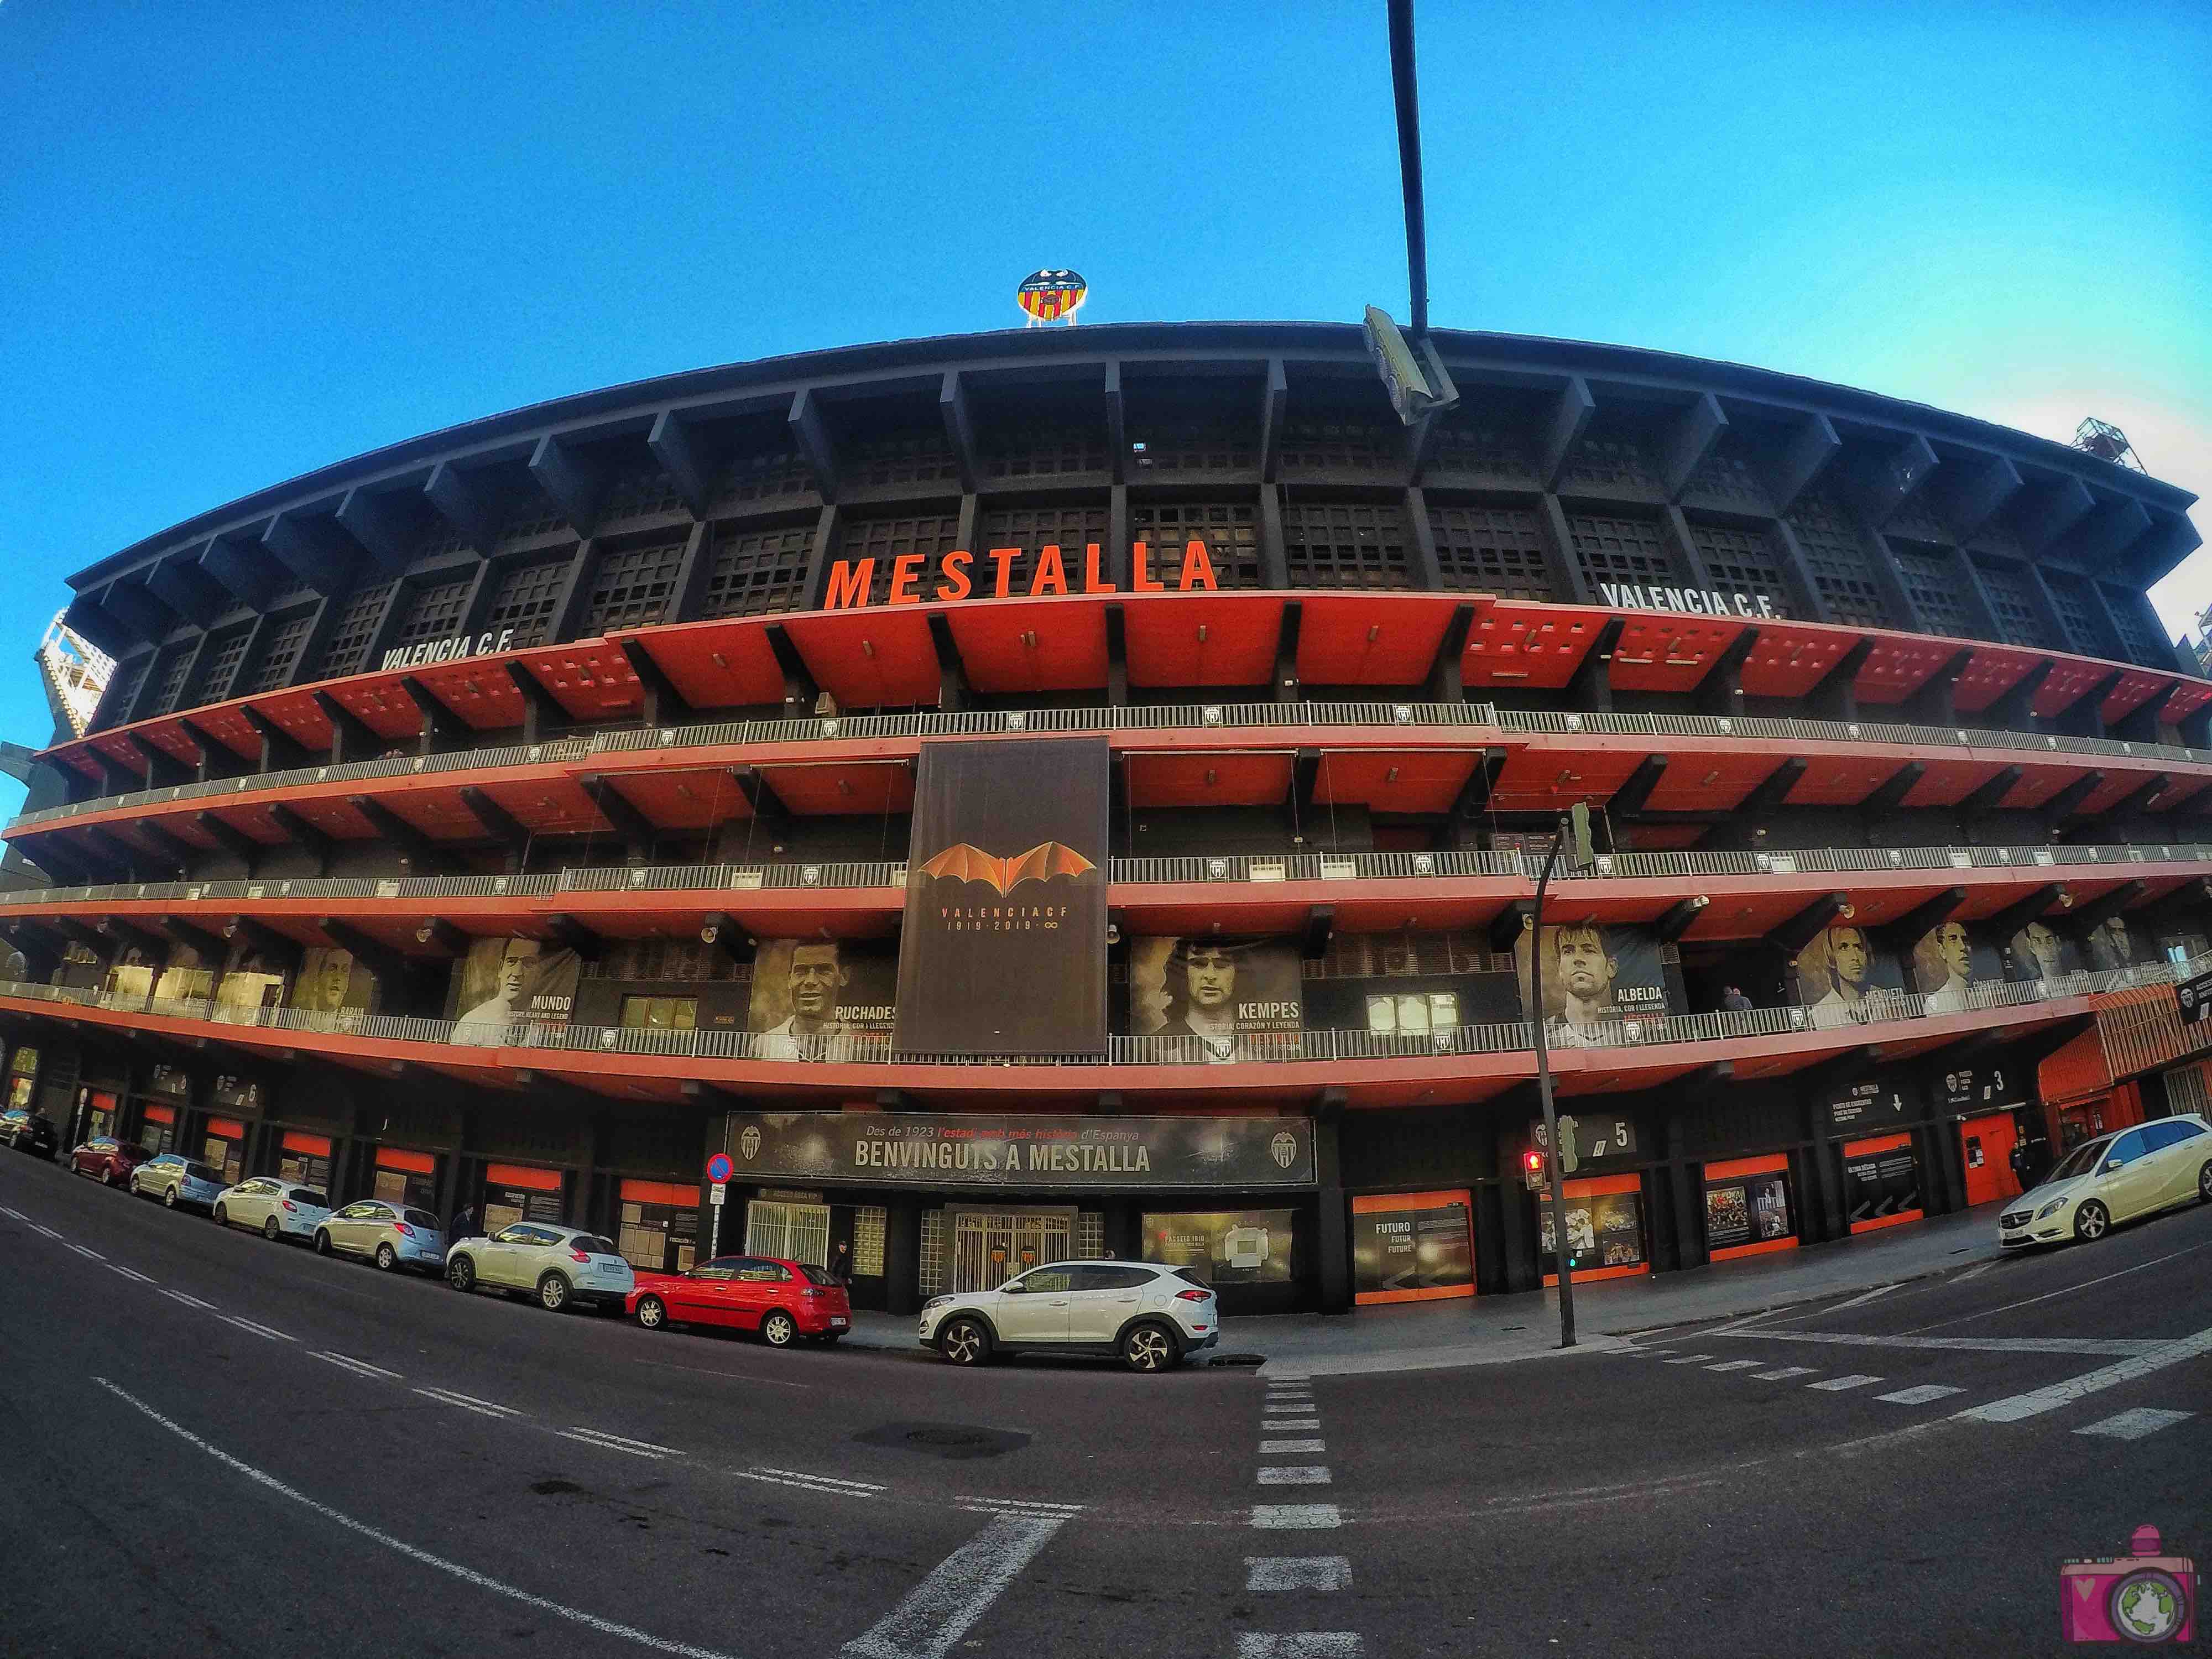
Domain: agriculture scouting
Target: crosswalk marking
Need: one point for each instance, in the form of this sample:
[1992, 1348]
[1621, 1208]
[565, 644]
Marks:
[2135, 1424]
[1781, 1371]
[1292, 1423]
[1733, 1366]
[1297, 1572]
[1860, 1301]
[1689, 1360]
[2014, 1407]
[1920, 1395]
[1274, 1448]
[1837, 1384]
[1295, 1474]
[1300, 1644]
[1296, 1517]
[942, 1608]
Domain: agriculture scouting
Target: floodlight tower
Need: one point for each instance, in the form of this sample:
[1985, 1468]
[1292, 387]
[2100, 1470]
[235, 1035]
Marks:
[2107, 443]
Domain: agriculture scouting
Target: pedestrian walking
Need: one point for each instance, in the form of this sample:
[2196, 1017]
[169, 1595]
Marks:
[1735, 1001]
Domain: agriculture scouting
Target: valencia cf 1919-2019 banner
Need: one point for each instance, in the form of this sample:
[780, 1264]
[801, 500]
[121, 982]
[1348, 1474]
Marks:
[1005, 946]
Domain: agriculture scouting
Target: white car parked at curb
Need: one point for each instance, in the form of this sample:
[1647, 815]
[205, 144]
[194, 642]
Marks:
[275, 1208]
[2114, 1178]
[1151, 1315]
[559, 1264]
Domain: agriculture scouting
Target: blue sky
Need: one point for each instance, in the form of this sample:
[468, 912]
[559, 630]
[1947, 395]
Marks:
[245, 240]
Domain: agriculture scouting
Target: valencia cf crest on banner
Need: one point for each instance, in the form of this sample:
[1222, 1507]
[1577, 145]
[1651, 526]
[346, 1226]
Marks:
[1005, 946]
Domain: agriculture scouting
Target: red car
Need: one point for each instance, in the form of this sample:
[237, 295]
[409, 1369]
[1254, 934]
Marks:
[110, 1160]
[784, 1301]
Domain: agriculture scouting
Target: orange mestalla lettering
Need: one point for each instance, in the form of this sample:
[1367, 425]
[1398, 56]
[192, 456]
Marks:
[1198, 568]
[1050, 576]
[849, 584]
[906, 570]
[1091, 584]
[1004, 558]
[1140, 572]
[956, 585]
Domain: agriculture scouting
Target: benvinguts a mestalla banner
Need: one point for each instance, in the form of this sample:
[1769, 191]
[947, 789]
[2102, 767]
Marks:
[1004, 949]
[1021, 1153]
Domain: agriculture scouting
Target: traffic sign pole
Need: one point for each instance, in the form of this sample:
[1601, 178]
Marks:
[719, 1171]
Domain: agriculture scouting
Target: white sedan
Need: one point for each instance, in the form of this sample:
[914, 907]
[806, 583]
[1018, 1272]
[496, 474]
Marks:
[274, 1208]
[2114, 1178]
[558, 1265]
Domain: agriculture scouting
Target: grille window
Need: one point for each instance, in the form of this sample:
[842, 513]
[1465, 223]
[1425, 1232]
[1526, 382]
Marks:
[2084, 617]
[1231, 530]
[932, 535]
[524, 601]
[1339, 441]
[124, 692]
[354, 627]
[442, 540]
[921, 458]
[1346, 544]
[223, 655]
[1617, 550]
[432, 613]
[2143, 642]
[1491, 447]
[176, 671]
[1839, 561]
[1071, 529]
[632, 588]
[1164, 448]
[2013, 603]
[639, 494]
[1935, 584]
[1492, 549]
[1743, 562]
[755, 574]
[1726, 476]
[1610, 464]
[774, 475]
[1918, 520]
[280, 654]
[1021, 455]
[537, 520]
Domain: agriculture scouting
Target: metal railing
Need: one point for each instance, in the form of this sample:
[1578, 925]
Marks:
[1251, 868]
[1135, 718]
[1884, 1008]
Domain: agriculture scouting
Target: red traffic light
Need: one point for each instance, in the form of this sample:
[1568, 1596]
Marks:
[1532, 1168]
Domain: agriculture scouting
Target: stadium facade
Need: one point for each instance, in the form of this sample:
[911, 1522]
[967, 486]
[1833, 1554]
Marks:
[1083, 789]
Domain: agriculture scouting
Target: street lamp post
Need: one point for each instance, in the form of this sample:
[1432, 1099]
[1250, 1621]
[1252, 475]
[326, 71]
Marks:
[1574, 836]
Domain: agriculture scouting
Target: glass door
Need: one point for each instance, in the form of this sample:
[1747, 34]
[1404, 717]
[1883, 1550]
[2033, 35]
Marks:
[990, 1246]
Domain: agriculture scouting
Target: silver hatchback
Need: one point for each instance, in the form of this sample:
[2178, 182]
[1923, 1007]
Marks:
[177, 1180]
[393, 1236]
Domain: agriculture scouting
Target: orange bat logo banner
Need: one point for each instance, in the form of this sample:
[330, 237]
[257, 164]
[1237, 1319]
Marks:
[1042, 862]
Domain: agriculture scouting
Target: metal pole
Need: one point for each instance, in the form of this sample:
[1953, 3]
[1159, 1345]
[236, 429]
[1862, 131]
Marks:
[1535, 1005]
[1409, 159]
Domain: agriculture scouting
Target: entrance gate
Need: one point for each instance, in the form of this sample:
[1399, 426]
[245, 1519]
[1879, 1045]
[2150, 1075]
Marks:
[989, 1247]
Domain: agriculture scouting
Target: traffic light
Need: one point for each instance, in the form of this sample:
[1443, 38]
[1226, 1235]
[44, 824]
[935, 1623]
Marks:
[1532, 1169]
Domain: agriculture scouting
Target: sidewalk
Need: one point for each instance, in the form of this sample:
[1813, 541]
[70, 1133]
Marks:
[1491, 1330]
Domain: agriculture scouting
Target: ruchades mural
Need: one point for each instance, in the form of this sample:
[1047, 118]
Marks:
[502, 980]
[1842, 978]
[1003, 951]
[333, 984]
[1948, 964]
[1022, 1152]
[812, 997]
[1600, 985]
[1233, 1246]
[1221, 999]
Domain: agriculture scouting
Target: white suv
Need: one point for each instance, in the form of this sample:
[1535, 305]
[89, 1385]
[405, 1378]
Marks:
[560, 1264]
[1150, 1315]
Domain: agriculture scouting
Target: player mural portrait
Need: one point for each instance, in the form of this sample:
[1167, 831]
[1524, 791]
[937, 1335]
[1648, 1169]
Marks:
[1947, 965]
[2110, 946]
[503, 981]
[333, 984]
[812, 996]
[1597, 983]
[1845, 979]
[2038, 953]
[1226, 1000]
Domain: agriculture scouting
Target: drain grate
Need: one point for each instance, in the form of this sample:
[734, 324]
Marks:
[955, 1441]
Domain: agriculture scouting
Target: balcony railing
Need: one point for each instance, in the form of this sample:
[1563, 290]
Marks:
[1135, 718]
[1884, 1010]
[1248, 868]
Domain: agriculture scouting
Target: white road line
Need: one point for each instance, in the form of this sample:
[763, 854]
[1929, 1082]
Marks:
[95, 1254]
[2064, 1290]
[1300, 1644]
[48, 1231]
[825, 1479]
[1837, 1384]
[942, 1608]
[1781, 1371]
[624, 1440]
[467, 1575]
[1297, 1572]
[468, 1403]
[2135, 1424]
[827, 1488]
[258, 1330]
[608, 1443]
[1733, 1366]
[128, 1272]
[2073, 1345]
[2039, 1401]
[1295, 1474]
[1973, 1273]
[999, 1507]
[1274, 1423]
[190, 1301]
[1296, 1517]
[1274, 1448]
[1017, 1502]
[18, 1214]
[1859, 1301]
[359, 1367]
[1920, 1395]
[1689, 1360]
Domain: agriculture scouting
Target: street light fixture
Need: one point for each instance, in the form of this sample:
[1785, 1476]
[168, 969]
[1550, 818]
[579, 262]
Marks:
[1573, 839]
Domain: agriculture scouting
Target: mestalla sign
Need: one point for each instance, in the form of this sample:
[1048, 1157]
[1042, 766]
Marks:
[1017, 1153]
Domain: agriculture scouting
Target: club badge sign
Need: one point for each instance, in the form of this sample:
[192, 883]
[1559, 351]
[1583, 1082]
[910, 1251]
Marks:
[1020, 1153]
[1003, 951]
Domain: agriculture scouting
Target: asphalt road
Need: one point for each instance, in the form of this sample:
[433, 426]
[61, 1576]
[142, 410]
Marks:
[372, 1463]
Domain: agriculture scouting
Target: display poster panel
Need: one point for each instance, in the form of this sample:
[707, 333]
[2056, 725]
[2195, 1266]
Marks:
[1948, 963]
[1004, 949]
[1977, 1089]
[1224, 1246]
[1025, 1152]
[1598, 985]
[1882, 1182]
[1221, 999]
[502, 980]
[184, 977]
[2039, 953]
[1605, 1232]
[1842, 978]
[333, 984]
[252, 981]
[1871, 1102]
[1746, 1210]
[1412, 1246]
[128, 981]
[810, 995]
